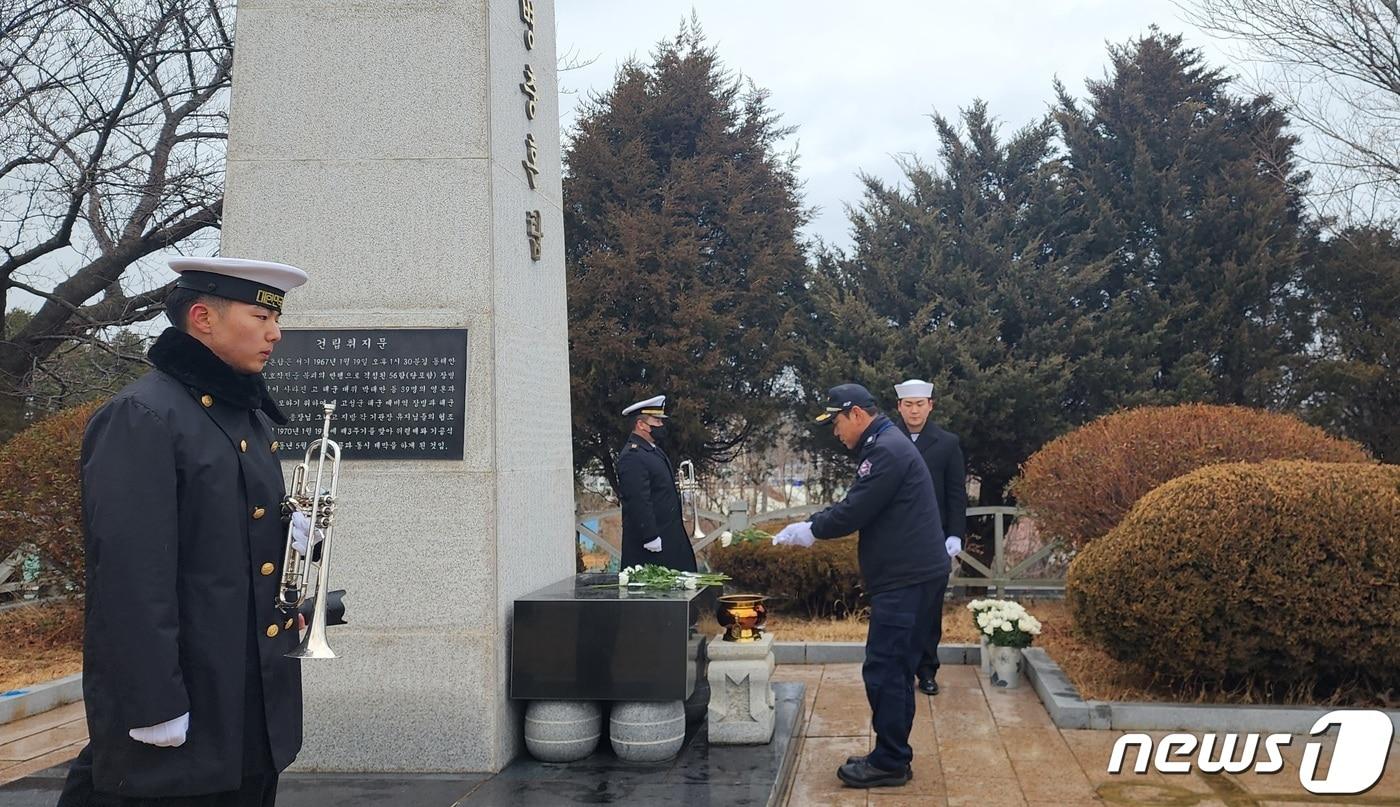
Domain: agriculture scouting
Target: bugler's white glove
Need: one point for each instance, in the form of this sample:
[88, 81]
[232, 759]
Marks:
[301, 525]
[654, 545]
[170, 734]
[953, 545]
[796, 534]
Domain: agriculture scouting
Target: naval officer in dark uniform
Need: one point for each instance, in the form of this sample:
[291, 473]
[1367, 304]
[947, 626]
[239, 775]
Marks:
[903, 563]
[944, 458]
[190, 699]
[653, 529]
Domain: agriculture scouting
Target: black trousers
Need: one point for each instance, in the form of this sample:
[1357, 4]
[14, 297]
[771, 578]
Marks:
[899, 619]
[256, 791]
[928, 660]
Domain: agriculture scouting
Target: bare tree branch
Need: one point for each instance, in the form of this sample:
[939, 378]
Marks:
[113, 124]
[1336, 65]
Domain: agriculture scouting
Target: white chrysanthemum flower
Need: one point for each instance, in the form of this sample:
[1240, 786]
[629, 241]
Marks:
[726, 538]
[689, 582]
[622, 577]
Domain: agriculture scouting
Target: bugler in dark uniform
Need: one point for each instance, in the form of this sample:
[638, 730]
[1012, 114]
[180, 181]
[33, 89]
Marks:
[902, 561]
[187, 690]
[944, 459]
[653, 528]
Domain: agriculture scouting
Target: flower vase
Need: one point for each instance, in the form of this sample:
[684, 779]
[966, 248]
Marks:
[986, 654]
[1006, 667]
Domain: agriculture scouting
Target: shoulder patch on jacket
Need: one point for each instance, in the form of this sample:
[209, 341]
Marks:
[864, 469]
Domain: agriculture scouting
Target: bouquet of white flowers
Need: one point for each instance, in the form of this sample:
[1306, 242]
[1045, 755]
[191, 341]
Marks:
[1005, 623]
[653, 576]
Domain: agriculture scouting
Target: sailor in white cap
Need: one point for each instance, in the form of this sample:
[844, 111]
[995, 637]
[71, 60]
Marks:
[188, 691]
[943, 456]
[653, 529]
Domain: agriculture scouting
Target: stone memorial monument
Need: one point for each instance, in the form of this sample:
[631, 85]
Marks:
[406, 155]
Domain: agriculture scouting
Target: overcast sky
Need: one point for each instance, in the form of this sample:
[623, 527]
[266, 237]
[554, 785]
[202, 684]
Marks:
[860, 79]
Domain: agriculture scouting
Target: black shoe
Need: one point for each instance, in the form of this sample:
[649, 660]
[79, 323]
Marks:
[862, 774]
[854, 759]
[928, 686]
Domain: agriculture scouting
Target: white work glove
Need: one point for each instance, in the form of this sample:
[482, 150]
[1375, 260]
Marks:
[654, 545]
[796, 534]
[301, 525]
[953, 545]
[170, 734]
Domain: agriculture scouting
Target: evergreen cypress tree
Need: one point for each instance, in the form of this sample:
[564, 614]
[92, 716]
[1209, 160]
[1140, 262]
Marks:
[685, 270]
[1190, 199]
[1351, 381]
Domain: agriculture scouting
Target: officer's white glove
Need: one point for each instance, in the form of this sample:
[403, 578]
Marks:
[953, 545]
[170, 734]
[654, 545]
[301, 525]
[795, 534]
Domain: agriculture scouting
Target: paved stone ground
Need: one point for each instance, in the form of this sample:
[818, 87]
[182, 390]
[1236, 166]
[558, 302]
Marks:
[973, 745]
[977, 745]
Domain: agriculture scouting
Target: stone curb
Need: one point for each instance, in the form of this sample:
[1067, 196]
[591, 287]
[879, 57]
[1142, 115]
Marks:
[1069, 711]
[854, 653]
[21, 703]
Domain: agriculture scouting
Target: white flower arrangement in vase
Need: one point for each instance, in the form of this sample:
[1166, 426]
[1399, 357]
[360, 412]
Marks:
[1005, 627]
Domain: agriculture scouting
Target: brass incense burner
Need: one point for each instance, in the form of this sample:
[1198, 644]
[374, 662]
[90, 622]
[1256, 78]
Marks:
[742, 616]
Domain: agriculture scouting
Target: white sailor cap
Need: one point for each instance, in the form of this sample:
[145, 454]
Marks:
[656, 407]
[258, 282]
[914, 388]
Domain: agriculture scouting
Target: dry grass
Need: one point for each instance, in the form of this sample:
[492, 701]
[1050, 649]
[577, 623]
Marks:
[39, 643]
[1095, 674]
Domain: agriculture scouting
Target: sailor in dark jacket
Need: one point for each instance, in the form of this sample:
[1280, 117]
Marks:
[653, 529]
[189, 697]
[944, 458]
[903, 564]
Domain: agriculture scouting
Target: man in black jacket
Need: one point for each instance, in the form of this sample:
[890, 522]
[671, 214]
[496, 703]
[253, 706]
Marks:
[653, 528]
[944, 458]
[903, 564]
[189, 697]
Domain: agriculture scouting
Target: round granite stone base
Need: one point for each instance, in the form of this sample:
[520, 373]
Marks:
[562, 731]
[647, 731]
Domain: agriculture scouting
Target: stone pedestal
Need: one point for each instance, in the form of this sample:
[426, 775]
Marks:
[406, 155]
[562, 731]
[647, 731]
[741, 697]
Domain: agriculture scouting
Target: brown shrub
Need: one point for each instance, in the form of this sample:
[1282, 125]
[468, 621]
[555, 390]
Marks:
[1080, 485]
[822, 580]
[1280, 572]
[41, 494]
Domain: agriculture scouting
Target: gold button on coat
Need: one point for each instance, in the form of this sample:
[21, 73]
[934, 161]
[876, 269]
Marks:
[207, 400]
[259, 512]
[273, 446]
[271, 631]
[267, 569]
[243, 446]
[288, 626]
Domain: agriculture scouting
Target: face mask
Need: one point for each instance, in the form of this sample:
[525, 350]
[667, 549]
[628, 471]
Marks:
[659, 433]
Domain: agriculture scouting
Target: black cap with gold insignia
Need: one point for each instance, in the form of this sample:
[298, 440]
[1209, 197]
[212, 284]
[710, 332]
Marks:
[261, 283]
[842, 397]
[656, 407]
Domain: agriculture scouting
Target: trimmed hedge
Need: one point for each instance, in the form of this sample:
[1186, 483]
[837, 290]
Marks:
[1080, 485]
[823, 580]
[41, 492]
[1280, 572]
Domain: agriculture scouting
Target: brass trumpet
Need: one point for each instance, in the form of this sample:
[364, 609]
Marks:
[318, 502]
[690, 489]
